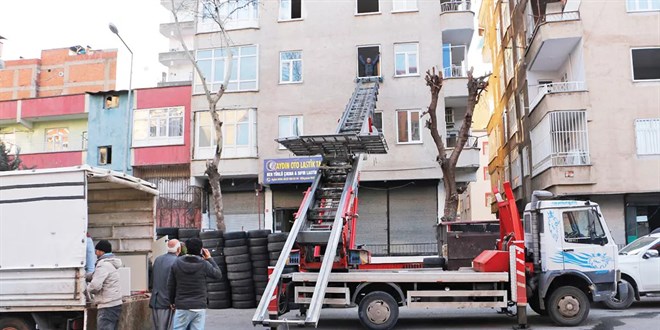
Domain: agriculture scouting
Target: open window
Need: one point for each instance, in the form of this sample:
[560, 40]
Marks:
[368, 6]
[111, 101]
[378, 121]
[645, 64]
[105, 155]
[368, 61]
[290, 10]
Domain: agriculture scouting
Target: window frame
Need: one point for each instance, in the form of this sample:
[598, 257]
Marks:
[279, 14]
[382, 124]
[406, 10]
[591, 239]
[64, 146]
[108, 155]
[235, 151]
[650, 121]
[158, 140]
[649, 2]
[379, 67]
[290, 61]
[368, 13]
[279, 123]
[409, 126]
[197, 85]
[205, 25]
[406, 64]
[632, 65]
[114, 101]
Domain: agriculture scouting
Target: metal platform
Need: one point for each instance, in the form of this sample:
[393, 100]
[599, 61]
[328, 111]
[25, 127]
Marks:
[335, 144]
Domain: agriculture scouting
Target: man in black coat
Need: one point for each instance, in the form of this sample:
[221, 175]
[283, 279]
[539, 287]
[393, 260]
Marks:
[161, 313]
[187, 285]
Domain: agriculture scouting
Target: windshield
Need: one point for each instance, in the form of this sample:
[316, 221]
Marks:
[637, 246]
[583, 227]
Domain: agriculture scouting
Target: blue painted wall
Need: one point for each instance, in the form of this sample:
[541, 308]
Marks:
[108, 127]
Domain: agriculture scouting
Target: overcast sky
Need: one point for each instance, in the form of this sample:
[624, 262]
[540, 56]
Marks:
[32, 25]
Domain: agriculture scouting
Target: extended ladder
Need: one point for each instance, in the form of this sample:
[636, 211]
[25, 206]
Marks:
[327, 204]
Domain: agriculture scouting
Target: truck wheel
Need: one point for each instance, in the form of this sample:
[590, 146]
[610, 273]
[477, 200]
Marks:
[535, 305]
[617, 302]
[568, 306]
[15, 323]
[378, 311]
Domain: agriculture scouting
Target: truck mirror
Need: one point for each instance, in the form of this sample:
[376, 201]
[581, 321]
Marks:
[650, 254]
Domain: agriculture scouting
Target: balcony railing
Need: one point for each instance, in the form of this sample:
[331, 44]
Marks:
[454, 71]
[453, 6]
[43, 147]
[560, 17]
[552, 88]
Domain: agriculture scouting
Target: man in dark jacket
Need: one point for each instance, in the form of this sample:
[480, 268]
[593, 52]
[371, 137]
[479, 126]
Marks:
[161, 313]
[187, 285]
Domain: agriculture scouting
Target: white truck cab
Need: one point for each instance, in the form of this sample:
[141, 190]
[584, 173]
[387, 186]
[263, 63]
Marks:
[568, 242]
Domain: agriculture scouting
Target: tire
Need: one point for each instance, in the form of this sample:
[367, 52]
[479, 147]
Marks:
[276, 246]
[277, 237]
[239, 275]
[172, 232]
[260, 263]
[257, 241]
[219, 304]
[235, 268]
[568, 306]
[237, 259]
[244, 304]
[258, 233]
[242, 290]
[242, 296]
[217, 296]
[617, 303]
[234, 235]
[210, 234]
[535, 305]
[259, 271]
[273, 256]
[242, 282]
[272, 263]
[17, 323]
[220, 260]
[437, 262]
[236, 242]
[258, 249]
[185, 233]
[217, 286]
[211, 243]
[259, 257]
[260, 278]
[234, 251]
[378, 311]
[217, 252]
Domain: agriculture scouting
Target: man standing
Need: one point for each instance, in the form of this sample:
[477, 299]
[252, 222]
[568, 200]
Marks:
[187, 285]
[104, 286]
[161, 312]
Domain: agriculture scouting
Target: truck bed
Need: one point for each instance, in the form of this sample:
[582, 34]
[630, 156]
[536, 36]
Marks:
[420, 275]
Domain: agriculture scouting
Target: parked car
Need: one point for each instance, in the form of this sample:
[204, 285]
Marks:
[639, 263]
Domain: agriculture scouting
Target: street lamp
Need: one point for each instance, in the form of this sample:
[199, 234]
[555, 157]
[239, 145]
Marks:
[129, 118]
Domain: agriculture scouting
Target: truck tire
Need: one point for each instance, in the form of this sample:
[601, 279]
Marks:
[277, 237]
[237, 259]
[234, 268]
[234, 235]
[16, 323]
[378, 311]
[617, 302]
[211, 243]
[219, 304]
[210, 234]
[258, 241]
[535, 305]
[275, 246]
[260, 257]
[258, 233]
[258, 249]
[244, 304]
[568, 306]
[235, 251]
[232, 276]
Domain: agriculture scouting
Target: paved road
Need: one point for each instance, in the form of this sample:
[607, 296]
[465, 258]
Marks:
[642, 315]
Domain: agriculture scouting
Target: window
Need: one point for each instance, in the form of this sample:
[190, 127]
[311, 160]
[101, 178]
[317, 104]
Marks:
[512, 117]
[290, 126]
[488, 199]
[560, 139]
[645, 64]
[454, 60]
[290, 10]
[647, 134]
[404, 5]
[642, 5]
[516, 174]
[508, 62]
[235, 14]
[484, 147]
[408, 126]
[9, 140]
[449, 118]
[506, 15]
[239, 131]
[111, 102]
[243, 70]
[378, 121]
[105, 155]
[525, 160]
[486, 177]
[367, 6]
[57, 139]
[505, 124]
[290, 67]
[369, 61]
[161, 126]
[84, 140]
[583, 227]
[406, 59]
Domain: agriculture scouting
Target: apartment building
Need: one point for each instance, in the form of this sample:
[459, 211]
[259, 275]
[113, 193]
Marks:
[294, 70]
[576, 95]
[60, 71]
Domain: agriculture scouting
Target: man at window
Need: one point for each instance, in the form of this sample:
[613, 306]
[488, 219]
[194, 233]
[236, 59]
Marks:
[370, 67]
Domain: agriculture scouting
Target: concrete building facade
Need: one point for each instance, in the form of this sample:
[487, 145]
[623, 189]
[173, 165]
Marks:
[294, 72]
[577, 102]
[61, 71]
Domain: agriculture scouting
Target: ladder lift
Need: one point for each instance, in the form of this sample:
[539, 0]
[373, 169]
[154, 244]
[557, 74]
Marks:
[325, 222]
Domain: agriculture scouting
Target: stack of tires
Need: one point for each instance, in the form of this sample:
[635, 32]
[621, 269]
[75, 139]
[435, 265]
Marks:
[218, 291]
[239, 269]
[171, 232]
[275, 244]
[187, 233]
[258, 248]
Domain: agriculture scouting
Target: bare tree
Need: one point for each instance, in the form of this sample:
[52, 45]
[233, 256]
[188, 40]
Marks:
[448, 163]
[219, 12]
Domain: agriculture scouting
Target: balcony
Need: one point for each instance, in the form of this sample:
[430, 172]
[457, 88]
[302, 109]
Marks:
[174, 58]
[559, 96]
[553, 39]
[169, 29]
[454, 85]
[45, 155]
[456, 22]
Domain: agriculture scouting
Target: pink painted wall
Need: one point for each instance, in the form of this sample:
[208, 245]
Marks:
[53, 106]
[159, 98]
[53, 159]
[8, 109]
